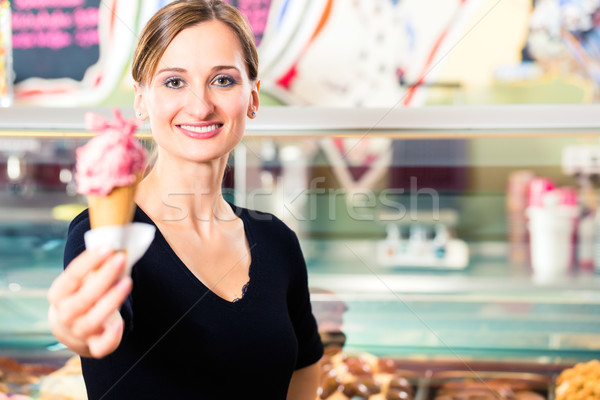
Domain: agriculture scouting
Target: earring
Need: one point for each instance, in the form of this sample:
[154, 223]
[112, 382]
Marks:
[253, 114]
[139, 115]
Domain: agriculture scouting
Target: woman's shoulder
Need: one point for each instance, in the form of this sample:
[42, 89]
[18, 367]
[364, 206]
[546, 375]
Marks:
[75, 243]
[81, 223]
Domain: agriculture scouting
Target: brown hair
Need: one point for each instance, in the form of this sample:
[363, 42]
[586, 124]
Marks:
[170, 20]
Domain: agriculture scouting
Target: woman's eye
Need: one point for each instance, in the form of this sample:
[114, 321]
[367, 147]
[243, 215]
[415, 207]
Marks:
[174, 83]
[223, 81]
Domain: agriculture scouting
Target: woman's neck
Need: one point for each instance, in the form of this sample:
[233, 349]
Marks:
[185, 192]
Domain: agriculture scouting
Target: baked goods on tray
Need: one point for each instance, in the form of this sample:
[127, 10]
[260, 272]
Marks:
[581, 382]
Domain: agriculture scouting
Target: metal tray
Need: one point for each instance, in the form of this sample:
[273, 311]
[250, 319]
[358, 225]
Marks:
[493, 382]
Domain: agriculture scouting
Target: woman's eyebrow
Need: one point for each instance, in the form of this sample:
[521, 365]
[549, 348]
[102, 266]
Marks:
[180, 70]
[222, 67]
[183, 70]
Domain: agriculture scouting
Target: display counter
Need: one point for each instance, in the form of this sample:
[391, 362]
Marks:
[482, 313]
[342, 180]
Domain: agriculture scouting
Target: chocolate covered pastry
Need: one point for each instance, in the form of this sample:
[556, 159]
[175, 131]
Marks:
[362, 376]
[358, 366]
[489, 389]
[355, 389]
[386, 365]
[400, 383]
[397, 394]
[528, 395]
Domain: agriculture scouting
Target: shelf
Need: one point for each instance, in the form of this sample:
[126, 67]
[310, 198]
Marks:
[423, 122]
[349, 268]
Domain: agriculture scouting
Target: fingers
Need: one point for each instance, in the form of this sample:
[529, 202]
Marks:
[94, 287]
[85, 300]
[106, 342]
[95, 319]
[63, 334]
[71, 279]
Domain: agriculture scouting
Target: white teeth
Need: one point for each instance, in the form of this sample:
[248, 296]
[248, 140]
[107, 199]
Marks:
[200, 129]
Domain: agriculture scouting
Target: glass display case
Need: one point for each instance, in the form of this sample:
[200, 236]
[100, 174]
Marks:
[413, 223]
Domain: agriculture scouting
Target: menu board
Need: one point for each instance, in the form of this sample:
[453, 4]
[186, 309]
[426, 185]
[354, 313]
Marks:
[54, 39]
[257, 12]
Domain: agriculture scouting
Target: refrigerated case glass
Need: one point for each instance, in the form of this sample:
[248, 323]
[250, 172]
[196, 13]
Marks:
[345, 180]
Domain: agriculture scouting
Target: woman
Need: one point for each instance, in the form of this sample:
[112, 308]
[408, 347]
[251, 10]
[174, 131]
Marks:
[218, 307]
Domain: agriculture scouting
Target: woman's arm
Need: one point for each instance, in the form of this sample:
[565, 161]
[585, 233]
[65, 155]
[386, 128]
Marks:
[305, 382]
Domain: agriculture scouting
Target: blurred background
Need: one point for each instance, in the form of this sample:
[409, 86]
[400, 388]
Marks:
[425, 151]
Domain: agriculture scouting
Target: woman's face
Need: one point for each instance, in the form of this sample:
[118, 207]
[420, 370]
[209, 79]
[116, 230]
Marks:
[200, 95]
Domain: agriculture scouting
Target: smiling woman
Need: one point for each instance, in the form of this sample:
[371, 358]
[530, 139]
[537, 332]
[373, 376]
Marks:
[204, 93]
[222, 288]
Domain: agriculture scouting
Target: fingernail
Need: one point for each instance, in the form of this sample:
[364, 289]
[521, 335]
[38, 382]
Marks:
[118, 259]
[124, 283]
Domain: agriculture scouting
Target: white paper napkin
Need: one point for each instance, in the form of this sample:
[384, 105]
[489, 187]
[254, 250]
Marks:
[135, 238]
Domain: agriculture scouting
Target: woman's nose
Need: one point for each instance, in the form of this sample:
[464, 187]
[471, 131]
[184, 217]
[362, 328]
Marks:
[199, 104]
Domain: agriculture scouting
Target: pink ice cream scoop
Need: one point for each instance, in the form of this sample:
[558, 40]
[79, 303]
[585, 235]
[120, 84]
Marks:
[111, 159]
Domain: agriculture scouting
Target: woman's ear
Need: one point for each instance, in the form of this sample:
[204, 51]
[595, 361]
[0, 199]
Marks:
[254, 99]
[139, 104]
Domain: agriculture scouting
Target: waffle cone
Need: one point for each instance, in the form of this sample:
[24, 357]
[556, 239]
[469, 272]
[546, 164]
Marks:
[116, 208]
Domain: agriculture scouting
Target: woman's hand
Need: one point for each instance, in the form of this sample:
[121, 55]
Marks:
[85, 300]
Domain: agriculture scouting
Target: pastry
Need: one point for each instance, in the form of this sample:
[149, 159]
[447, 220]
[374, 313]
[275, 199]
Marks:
[65, 383]
[361, 376]
[582, 381]
[487, 389]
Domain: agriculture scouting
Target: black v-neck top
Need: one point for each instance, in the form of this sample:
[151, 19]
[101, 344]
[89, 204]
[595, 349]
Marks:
[183, 341]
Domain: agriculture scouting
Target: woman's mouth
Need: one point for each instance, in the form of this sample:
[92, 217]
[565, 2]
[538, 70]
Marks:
[201, 131]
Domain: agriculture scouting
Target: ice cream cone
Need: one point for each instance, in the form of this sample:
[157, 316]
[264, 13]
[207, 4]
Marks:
[116, 208]
[108, 169]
